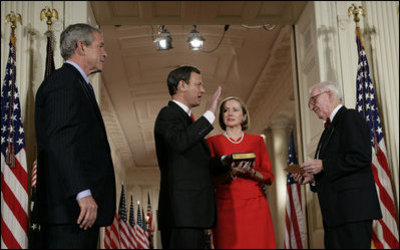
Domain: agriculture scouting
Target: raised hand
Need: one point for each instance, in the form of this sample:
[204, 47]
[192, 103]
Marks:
[214, 100]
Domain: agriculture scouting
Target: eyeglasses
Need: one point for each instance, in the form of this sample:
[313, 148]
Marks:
[313, 99]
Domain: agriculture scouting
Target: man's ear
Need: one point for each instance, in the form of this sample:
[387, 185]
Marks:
[80, 48]
[182, 85]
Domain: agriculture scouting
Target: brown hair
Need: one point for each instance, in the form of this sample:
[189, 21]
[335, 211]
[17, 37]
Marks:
[245, 123]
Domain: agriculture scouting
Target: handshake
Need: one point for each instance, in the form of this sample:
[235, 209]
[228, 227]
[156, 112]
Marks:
[305, 172]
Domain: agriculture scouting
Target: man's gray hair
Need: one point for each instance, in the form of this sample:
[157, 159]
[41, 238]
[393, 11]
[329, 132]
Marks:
[328, 86]
[74, 33]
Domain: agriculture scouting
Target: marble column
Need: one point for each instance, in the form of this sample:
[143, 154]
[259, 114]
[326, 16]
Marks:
[277, 141]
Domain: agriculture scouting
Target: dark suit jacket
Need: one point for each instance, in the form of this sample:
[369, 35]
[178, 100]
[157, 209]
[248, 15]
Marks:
[73, 150]
[187, 196]
[346, 187]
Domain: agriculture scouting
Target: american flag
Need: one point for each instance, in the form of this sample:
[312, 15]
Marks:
[111, 235]
[35, 237]
[126, 239]
[294, 218]
[385, 231]
[144, 223]
[141, 231]
[132, 226]
[14, 176]
[150, 223]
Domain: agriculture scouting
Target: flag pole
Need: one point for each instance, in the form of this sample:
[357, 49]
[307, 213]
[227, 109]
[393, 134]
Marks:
[354, 10]
[14, 204]
[385, 230]
[35, 234]
[13, 19]
[48, 15]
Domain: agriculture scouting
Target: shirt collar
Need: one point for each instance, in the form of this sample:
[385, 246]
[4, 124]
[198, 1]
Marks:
[80, 70]
[335, 111]
[183, 106]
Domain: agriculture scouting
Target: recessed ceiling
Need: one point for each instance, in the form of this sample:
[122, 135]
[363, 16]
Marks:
[134, 74]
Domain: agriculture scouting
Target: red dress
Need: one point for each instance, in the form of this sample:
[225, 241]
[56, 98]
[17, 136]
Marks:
[243, 216]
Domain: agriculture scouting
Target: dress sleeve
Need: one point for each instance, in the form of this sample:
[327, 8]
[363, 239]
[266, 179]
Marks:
[263, 163]
[211, 146]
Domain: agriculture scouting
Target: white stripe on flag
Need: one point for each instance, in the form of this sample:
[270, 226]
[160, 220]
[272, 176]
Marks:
[13, 225]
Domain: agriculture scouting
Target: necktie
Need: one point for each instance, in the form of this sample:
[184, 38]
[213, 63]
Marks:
[327, 123]
[192, 117]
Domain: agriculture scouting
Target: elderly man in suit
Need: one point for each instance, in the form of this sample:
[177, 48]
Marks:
[187, 201]
[76, 183]
[341, 172]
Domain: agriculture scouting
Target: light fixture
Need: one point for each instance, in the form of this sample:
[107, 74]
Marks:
[164, 41]
[195, 40]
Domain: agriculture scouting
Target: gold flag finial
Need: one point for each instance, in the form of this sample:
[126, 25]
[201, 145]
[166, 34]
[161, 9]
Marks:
[13, 19]
[49, 15]
[354, 10]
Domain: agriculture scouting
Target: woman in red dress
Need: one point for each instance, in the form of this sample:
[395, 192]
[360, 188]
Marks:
[243, 215]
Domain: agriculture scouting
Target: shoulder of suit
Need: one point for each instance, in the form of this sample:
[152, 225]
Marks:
[352, 113]
[348, 116]
[65, 73]
[169, 110]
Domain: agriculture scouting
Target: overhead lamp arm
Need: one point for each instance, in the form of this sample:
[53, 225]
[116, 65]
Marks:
[226, 27]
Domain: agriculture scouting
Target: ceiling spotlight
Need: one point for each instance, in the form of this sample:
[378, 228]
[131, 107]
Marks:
[195, 40]
[164, 41]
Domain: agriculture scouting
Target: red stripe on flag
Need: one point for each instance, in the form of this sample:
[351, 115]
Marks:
[378, 244]
[384, 195]
[388, 200]
[111, 237]
[383, 162]
[20, 173]
[287, 223]
[14, 205]
[107, 238]
[294, 218]
[7, 237]
[388, 236]
[113, 243]
[126, 239]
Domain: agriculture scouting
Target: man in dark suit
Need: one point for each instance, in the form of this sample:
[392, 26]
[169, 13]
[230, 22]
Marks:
[187, 200]
[341, 172]
[76, 183]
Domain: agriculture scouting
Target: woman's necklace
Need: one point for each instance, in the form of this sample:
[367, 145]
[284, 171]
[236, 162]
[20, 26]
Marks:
[234, 142]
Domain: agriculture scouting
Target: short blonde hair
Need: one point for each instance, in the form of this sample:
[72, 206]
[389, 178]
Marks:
[245, 123]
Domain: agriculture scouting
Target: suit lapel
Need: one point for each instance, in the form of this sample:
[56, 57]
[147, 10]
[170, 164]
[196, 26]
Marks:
[321, 140]
[324, 141]
[188, 122]
[92, 99]
[327, 134]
